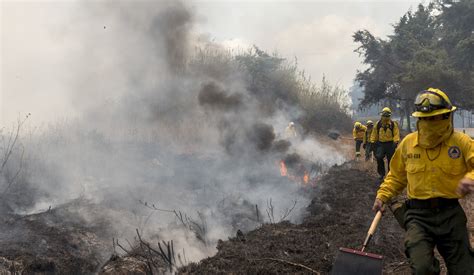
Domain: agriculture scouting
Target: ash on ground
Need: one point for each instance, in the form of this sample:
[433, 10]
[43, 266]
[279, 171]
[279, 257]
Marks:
[57, 242]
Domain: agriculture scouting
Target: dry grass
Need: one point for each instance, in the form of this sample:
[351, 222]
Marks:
[278, 83]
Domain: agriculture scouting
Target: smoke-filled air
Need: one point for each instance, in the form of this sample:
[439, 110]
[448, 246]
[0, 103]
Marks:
[176, 137]
[236, 137]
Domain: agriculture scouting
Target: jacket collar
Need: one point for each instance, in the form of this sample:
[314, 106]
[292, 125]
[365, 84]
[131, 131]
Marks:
[445, 142]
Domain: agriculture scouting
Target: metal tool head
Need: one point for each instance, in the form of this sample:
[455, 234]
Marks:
[353, 262]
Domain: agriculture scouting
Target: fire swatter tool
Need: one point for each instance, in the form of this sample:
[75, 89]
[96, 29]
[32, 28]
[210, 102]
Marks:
[353, 261]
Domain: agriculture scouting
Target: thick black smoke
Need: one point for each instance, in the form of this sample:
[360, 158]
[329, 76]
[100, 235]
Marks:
[215, 97]
[173, 26]
[281, 146]
[261, 136]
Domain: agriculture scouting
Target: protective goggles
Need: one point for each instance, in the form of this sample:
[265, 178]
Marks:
[428, 101]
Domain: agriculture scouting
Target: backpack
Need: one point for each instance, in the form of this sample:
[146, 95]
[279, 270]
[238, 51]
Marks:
[390, 126]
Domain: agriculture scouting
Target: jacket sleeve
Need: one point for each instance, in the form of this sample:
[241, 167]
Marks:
[396, 132]
[364, 128]
[373, 135]
[354, 133]
[364, 140]
[468, 152]
[396, 179]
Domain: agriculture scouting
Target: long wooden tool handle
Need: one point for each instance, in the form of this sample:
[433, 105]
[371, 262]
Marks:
[372, 228]
[375, 222]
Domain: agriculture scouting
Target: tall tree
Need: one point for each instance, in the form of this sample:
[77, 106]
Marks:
[393, 72]
[423, 51]
[456, 36]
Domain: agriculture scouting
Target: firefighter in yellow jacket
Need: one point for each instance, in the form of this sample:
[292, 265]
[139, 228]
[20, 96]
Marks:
[290, 131]
[435, 165]
[358, 132]
[366, 142]
[384, 139]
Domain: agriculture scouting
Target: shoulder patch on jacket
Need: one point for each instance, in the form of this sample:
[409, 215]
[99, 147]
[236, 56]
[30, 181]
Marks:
[454, 152]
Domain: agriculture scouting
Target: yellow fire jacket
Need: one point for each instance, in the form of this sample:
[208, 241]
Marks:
[367, 135]
[360, 133]
[384, 134]
[429, 173]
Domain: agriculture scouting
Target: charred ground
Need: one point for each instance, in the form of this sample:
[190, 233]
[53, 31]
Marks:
[338, 216]
[57, 241]
[60, 241]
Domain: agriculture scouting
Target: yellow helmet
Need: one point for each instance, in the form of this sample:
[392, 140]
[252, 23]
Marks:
[357, 124]
[386, 112]
[370, 122]
[432, 102]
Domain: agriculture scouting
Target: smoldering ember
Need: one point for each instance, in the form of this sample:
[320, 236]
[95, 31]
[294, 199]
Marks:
[135, 141]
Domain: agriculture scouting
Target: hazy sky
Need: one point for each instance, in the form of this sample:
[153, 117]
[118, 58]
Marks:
[38, 53]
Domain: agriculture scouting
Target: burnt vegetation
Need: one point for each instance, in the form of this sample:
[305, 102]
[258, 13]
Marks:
[338, 216]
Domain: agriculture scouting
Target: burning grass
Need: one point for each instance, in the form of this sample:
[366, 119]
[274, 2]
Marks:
[339, 216]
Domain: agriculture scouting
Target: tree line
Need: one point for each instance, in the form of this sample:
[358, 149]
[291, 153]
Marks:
[432, 46]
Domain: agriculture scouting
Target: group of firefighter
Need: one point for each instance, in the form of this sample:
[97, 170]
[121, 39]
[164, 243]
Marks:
[435, 166]
[379, 142]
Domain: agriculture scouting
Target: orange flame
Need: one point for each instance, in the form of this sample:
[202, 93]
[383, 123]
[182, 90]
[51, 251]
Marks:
[283, 169]
[304, 180]
[306, 177]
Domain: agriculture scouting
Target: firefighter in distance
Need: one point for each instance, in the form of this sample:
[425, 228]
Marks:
[358, 133]
[384, 139]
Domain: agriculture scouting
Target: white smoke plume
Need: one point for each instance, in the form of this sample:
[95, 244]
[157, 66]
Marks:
[157, 127]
